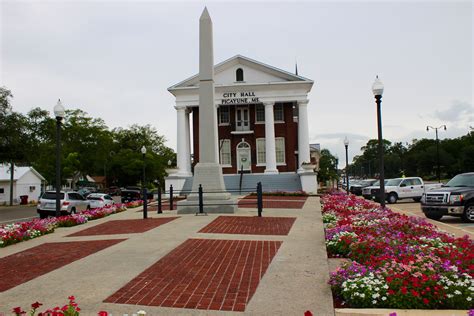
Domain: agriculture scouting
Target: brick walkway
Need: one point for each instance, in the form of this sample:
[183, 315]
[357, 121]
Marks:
[250, 225]
[29, 264]
[128, 226]
[202, 274]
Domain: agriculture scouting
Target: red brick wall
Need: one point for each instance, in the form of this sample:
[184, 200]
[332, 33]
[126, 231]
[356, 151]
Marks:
[288, 130]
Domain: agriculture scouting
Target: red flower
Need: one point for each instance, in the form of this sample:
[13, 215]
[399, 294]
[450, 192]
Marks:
[35, 305]
[308, 313]
[415, 293]
[71, 298]
[404, 290]
[104, 313]
[426, 301]
[18, 311]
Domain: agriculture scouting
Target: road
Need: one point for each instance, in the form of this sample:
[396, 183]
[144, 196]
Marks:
[17, 213]
[450, 224]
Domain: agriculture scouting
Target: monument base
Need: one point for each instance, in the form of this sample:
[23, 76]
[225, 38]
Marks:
[217, 206]
[215, 197]
[309, 182]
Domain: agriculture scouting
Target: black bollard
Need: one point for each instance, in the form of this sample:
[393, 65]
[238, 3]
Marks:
[201, 204]
[259, 199]
[171, 197]
[159, 201]
[145, 204]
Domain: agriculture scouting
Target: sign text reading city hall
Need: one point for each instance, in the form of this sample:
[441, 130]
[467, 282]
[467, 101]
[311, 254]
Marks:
[239, 98]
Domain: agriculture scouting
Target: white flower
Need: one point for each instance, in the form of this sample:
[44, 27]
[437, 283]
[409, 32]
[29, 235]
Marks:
[374, 302]
[384, 298]
[141, 312]
[469, 298]
[362, 295]
[375, 295]
[457, 292]
[449, 295]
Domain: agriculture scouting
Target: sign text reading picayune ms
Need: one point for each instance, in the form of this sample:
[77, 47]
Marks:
[239, 97]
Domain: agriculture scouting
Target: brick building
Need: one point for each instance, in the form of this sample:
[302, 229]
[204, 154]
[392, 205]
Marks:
[261, 114]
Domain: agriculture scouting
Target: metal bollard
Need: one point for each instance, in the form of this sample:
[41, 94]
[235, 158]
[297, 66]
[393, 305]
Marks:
[145, 204]
[259, 199]
[201, 205]
[159, 201]
[171, 197]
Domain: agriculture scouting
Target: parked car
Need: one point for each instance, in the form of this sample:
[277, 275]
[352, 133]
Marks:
[357, 188]
[371, 192]
[84, 192]
[99, 200]
[455, 198]
[130, 195]
[407, 188]
[70, 202]
[113, 191]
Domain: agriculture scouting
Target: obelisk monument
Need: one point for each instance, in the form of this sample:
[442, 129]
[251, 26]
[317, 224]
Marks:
[207, 171]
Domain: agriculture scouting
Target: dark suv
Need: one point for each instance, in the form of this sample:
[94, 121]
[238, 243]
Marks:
[455, 198]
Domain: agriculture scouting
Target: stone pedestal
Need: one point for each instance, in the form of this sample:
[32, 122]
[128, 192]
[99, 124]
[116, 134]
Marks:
[309, 182]
[215, 197]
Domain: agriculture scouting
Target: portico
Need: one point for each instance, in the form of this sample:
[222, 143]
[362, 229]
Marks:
[262, 119]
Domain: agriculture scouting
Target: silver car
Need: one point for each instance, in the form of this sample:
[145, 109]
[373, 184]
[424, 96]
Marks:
[70, 203]
[99, 200]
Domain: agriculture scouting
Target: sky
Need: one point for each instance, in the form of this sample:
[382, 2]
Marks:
[116, 59]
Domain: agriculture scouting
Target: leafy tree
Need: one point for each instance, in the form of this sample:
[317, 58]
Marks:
[327, 166]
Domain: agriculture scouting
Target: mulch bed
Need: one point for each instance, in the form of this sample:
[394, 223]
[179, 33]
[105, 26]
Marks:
[247, 225]
[206, 274]
[126, 226]
[276, 197]
[31, 263]
[252, 203]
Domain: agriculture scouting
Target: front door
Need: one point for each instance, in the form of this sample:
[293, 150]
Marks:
[242, 122]
[244, 161]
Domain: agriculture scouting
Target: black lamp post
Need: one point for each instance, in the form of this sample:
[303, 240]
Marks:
[59, 114]
[437, 147]
[145, 210]
[346, 144]
[337, 174]
[377, 89]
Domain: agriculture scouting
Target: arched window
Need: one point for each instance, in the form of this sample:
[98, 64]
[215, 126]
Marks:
[239, 75]
[243, 145]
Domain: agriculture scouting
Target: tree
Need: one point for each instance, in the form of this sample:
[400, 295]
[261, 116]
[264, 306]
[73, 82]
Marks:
[327, 166]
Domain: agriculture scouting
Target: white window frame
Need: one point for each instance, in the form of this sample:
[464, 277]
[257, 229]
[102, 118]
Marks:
[219, 115]
[222, 146]
[260, 142]
[263, 108]
[279, 105]
[282, 140]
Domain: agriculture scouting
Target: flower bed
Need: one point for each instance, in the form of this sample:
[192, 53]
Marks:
[17, 232]
[397, 261]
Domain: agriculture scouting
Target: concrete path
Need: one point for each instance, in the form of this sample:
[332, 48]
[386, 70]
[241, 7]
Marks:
[295, 281]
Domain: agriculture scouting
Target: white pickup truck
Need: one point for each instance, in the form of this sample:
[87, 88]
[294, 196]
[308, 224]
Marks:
[407, 188]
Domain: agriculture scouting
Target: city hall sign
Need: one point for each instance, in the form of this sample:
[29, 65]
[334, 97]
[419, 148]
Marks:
[239, 98]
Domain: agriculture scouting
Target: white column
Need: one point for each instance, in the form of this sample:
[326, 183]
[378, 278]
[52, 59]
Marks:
[188, 142]
[182, 151]
[270, 150]
[303, 133]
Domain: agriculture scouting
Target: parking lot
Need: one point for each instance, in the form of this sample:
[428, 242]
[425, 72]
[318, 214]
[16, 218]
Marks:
[450, 224]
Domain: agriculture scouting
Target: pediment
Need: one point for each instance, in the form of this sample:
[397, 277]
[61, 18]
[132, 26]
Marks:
[254, 72]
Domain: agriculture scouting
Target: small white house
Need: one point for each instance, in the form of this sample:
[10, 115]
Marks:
[26, 181]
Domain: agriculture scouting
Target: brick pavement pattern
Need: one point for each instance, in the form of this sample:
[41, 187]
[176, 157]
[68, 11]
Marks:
[126, 226]
[29, 264]
[252, 203]
[208, 274]
[277, 197]
[247, 225]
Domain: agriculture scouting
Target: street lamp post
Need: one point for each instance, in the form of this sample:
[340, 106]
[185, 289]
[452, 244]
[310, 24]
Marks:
[346, 144]
[145, 210]
[337, 174]
[437, 147]
[59, 114]
[377, 89]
